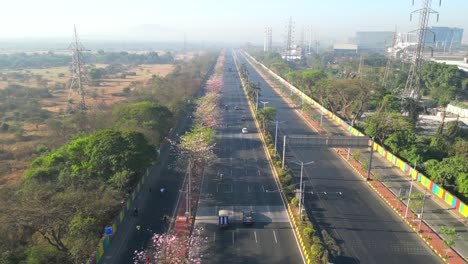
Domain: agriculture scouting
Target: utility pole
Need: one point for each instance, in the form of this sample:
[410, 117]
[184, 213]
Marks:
[413, 82]
[264, 103]
[78, 77]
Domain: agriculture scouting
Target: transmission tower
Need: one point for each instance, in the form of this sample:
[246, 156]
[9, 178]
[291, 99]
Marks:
[413, 82]
[389, 60]
[78, 77]
[289, 35]
[267, 40]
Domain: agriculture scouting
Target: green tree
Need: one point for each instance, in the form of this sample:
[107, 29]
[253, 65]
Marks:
[266, 115]
[96, 74]
[442, 81]
[382, 125]
[412, 109]
[352, 97]
[149, 118]
[452, 170]
[400, 140]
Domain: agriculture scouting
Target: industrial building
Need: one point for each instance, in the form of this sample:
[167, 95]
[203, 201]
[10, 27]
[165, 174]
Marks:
[373, 41]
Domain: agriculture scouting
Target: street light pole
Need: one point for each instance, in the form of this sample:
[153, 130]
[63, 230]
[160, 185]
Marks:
[300, 190]
[409, 196]
[276, 135]
[284, 151]
[422, 210]
[276, 122]
[300, 185]
[370, 159]
[256, 101]
[188, 187]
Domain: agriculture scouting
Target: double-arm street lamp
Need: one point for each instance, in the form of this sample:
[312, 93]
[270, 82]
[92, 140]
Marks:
[300, 184]
[276, 122]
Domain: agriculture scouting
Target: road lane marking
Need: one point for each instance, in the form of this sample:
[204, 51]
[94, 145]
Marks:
[263, 188]
[274, 234]
[255, 234]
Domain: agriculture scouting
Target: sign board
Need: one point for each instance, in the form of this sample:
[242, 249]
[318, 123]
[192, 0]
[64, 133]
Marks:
[108, 230]
[329, 142]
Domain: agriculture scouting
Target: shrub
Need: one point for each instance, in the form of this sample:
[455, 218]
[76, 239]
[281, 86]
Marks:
[41, 148]
[317, 250]
[357, 155]
[365, 164]
[5, 127]
[295, 201]
[309, 232]
[286, 179]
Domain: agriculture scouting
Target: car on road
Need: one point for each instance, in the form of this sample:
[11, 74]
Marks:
[244, 130]
[248, 218]
[243, 118]
[236, 107]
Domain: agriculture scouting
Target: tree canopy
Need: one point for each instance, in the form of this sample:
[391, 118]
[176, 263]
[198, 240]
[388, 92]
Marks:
[152, 119]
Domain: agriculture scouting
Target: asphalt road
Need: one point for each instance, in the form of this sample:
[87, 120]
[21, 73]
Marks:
[247, 184]
[436, 214]
[366, 230]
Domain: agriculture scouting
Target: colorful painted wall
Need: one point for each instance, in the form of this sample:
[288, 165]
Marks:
[438, 191]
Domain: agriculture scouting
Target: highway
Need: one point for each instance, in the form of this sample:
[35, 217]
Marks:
[246, 184]
[340, 201]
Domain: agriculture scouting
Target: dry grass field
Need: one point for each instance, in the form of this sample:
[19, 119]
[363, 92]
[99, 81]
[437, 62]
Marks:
[16, 154]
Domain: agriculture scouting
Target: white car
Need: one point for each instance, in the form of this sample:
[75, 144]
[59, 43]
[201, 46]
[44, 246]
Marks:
[244, 130]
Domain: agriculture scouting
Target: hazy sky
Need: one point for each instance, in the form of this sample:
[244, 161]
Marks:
[214, 20]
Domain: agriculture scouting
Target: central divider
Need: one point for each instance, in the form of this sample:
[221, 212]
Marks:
[291, 215]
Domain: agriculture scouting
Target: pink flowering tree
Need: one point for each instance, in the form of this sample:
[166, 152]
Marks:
[169, 248]
[198, 144]
[207, 113]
